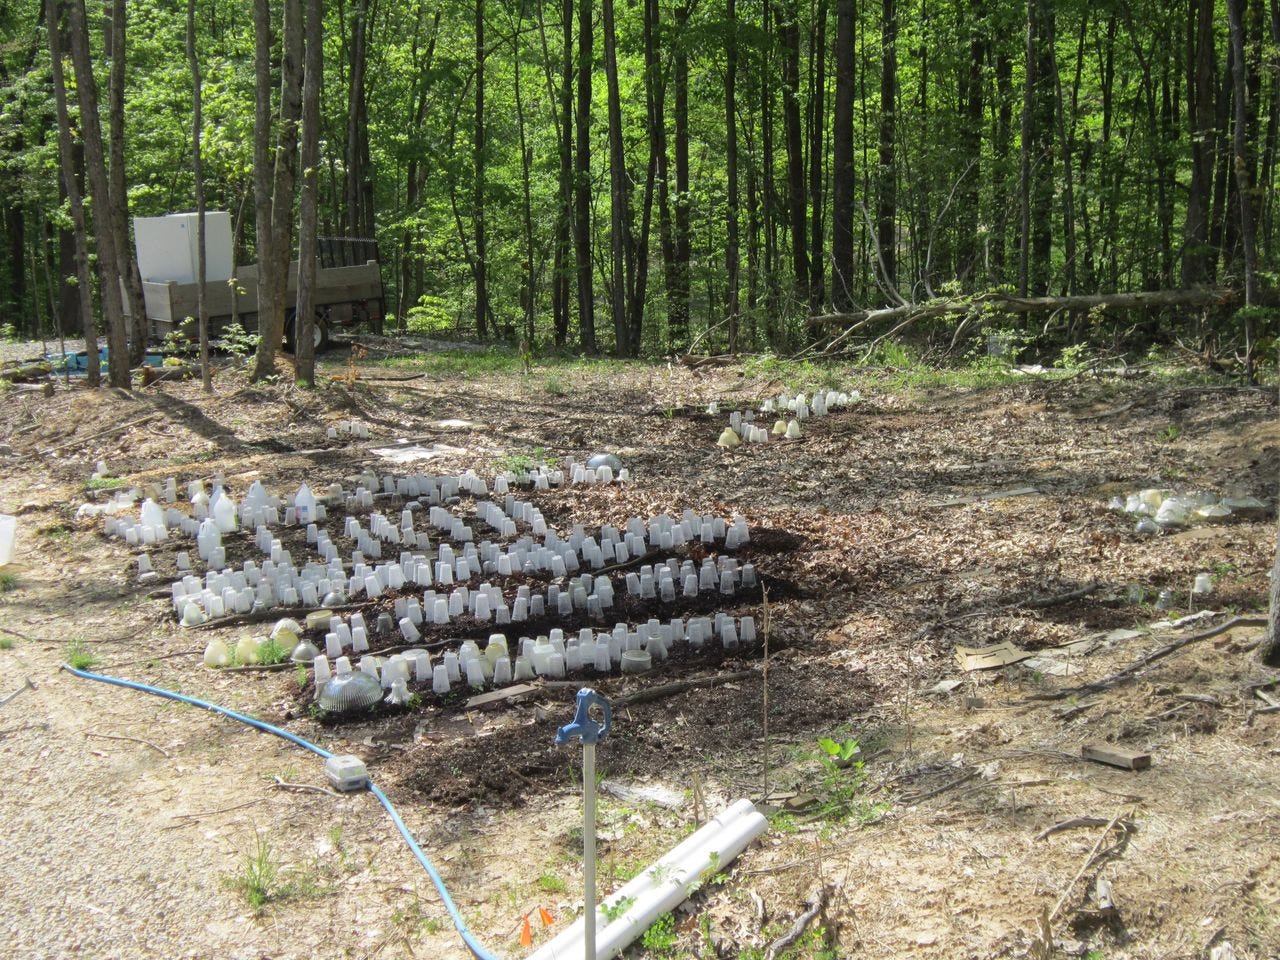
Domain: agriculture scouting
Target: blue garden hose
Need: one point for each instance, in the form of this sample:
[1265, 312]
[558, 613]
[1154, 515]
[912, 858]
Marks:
[479, 952]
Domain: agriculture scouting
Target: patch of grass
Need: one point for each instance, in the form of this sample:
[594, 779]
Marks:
[554, 386]
[104, 483]
[1171, 433]
[257, 878]
[300, 674]
[550, 882]
[78, 655]
[58, 532]
[6, 643]
[8, 582]
[661, 936]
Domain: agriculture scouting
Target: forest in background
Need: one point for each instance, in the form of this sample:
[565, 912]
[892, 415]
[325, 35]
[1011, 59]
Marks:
[640, 177]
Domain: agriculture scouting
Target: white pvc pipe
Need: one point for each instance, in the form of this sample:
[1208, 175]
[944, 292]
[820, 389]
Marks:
[662, 886]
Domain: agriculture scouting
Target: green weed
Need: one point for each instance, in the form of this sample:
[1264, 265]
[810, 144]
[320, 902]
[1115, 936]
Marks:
[613, 912]
[257, 878]
[550, 882]
[661, 936]
[271, 653]
[78, 655]
[8, 582]
[6, 643]
[104, 483]
[554, 386]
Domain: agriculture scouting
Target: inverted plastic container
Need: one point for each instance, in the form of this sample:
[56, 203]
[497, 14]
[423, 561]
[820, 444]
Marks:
[8, 533]
[354, 691]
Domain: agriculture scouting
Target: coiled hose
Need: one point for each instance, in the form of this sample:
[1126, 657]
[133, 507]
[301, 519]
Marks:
[479, 952]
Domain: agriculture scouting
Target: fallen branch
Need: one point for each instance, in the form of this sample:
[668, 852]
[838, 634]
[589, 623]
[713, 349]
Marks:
[1088, 862]
[28, 685]
[814, 905]
[1076, 823]
[1031, 603]
[1005, 303]
[112, 736]
[280, 784]
[188, 818]
[921, 798]
[1158, 654]
[263, 616]
[98, 436]
[671, 689]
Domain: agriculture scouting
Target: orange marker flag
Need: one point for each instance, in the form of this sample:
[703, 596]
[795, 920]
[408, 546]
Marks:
[526, 933]
[547, 918]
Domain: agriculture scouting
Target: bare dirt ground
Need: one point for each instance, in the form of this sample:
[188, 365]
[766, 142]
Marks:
[129, 817]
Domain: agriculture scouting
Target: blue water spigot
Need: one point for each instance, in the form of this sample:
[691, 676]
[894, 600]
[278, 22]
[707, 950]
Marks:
[584, 727]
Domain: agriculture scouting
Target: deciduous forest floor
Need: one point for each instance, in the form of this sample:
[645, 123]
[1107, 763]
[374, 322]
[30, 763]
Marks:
[922, 519]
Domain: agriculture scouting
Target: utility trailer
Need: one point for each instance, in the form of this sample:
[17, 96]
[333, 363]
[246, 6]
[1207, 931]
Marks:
[348, 280]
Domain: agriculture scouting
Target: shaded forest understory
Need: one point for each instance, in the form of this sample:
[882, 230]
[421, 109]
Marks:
[665, 175]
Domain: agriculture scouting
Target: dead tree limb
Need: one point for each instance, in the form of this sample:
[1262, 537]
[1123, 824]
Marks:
[814, 904]
[1005, 303]
[1158, 654]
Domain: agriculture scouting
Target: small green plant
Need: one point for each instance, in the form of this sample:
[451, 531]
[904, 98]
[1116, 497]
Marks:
[555, 386]
[8, 331]
[78, 655]
[661, 936]
[8, 582]
[784, 823]
[1171, 433]
[271, 653]
[258, 874]
[841, 754]
[104, 483]
[550, 882]
[613, 912]
[6, 643]
[300, 674]
[238, 342]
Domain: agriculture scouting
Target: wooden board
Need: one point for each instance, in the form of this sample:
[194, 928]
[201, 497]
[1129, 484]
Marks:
[495, 697]
[1115, 756]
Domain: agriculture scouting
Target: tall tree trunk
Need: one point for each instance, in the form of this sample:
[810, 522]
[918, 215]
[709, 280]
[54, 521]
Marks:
[795, 149]
[273, 271]
[564, 220]
[128, 265]
[887, 207]
[658, 149]
[304, 350]
[1002, 137]
[619, 212]
[75, 197]
[967, 262]
[582, 176]
[527, 293]
[197, 171]
[817, 158]
[96, 170]
[1244, 185]
[358, 219]
[731, 255]
[678, 310]
[842, 173]
[773, 295]
[478, 212]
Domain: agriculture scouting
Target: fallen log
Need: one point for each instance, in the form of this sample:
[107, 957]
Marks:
[1007, 303]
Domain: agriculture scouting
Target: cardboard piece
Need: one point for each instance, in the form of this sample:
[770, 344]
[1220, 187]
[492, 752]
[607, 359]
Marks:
[989, 658]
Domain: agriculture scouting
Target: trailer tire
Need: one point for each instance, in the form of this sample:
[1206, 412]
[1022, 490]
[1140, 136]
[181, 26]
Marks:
[319, 330]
